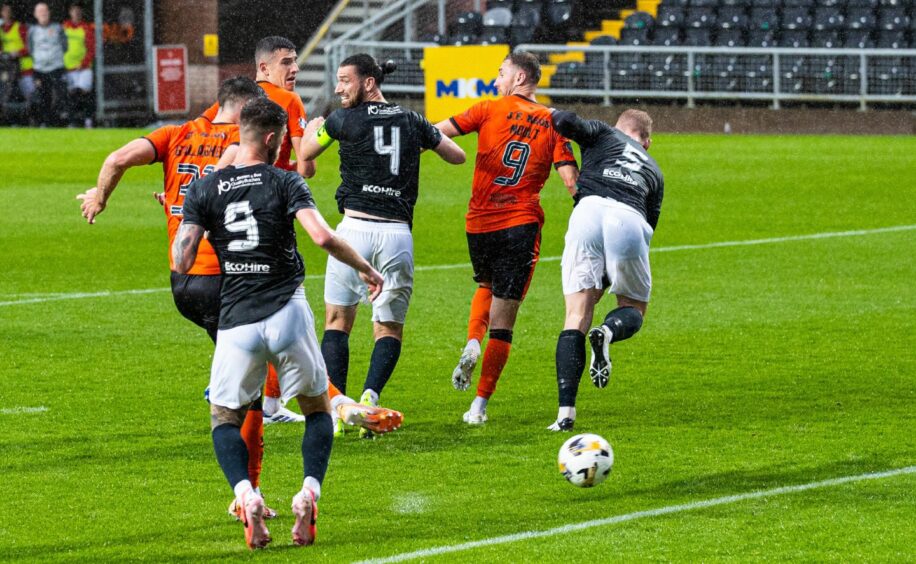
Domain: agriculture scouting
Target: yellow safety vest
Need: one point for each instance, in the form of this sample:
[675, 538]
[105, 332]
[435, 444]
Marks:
[12, 43]
[76, 47]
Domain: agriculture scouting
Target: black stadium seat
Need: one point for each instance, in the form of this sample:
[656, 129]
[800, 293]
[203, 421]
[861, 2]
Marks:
[634, 36]
[679, 3]
[698, 37]
[796, 39]
[828, 18]
[670, 16]
[732, 17]
[639, 20]
[858, 39]
[600, 41]
[892, 40]
[667, 36]
[765, 19]
[807, 4]
[731, 38]
[704, 3]
[700, 17]
[893, 18]
[761, 38]
[855, 4]
[495, 35]
[861, 18]
[796, 18]
[462, 39]
[525, 22]
[497, 17]
[826, 39]
[469, 23]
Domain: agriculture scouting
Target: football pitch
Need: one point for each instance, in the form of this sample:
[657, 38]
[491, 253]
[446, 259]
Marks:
[766, 411]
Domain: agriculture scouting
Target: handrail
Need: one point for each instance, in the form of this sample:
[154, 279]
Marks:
[322, 31]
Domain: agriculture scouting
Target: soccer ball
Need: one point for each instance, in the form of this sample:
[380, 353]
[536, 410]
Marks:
[585, 460]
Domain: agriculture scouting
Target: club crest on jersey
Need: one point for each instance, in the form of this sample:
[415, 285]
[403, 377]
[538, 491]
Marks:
[242, 181]
[302, 122]
[374, 110]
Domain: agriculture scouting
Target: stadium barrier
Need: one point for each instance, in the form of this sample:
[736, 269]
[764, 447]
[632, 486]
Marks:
[773, 75]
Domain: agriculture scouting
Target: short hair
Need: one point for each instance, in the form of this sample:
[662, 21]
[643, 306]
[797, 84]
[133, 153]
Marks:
[367, 66]
[638, 121]
[262, 115]
[237, 90]
[268, 45]
[528, 63]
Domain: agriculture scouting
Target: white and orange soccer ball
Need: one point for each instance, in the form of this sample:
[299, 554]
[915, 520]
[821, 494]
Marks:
[585, 460]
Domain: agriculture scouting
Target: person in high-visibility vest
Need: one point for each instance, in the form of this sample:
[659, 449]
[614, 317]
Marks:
[78, 62]
[13, 38]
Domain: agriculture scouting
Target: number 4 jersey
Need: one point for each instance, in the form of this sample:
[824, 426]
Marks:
[380, 146]
[188, 152]
[516, 146]
[249, 213]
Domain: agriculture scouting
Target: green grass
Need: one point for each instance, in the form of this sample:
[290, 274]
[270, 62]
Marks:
[758, 367]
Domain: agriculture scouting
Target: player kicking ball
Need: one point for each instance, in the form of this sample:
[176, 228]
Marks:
[248, 211]
[618, 201]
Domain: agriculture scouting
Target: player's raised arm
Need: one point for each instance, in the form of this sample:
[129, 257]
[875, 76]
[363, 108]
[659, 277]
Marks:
[184, 249]
[568, 124]
[450, 151]
[323, 236]
[137, 152]
[315, 139]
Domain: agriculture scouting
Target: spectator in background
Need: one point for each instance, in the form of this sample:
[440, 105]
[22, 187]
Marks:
[78, 62]
[47, 44]
[14, 43]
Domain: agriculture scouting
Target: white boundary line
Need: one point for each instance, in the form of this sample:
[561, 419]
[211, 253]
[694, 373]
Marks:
[22, 410]
[425, 268]
[637, 515]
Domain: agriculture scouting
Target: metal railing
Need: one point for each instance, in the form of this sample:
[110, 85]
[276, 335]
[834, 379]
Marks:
[773, 75]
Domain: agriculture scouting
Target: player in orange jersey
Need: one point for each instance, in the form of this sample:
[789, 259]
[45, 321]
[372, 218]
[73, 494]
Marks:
[275, 58]
[516, 147]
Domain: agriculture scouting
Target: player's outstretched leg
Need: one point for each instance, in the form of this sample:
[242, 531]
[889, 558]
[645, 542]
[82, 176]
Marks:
[570, 360]
[384, 359]
[620, 324]
[478, 323]
[379, 420]
[463, 374]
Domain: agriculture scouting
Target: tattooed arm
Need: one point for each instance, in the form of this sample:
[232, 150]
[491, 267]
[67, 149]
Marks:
[184, 249]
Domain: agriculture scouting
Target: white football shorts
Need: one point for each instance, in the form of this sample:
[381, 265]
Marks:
[607, 241]
[388, 247]
[80, 79]
[286, 339]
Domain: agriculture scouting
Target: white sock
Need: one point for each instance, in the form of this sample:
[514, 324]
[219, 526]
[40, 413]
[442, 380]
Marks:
[312, 484]
[479, 405]
[241, 489]
[566, 413]
[373, 395]
[338, 401]
[271, 405]
[473, 346]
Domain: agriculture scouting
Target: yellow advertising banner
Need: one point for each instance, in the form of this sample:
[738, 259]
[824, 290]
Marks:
[458, 77]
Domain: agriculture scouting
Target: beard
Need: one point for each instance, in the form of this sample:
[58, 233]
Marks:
[272, 153]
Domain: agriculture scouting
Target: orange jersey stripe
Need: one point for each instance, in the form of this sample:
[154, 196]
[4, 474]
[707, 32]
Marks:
[188, 152]
[516, 147]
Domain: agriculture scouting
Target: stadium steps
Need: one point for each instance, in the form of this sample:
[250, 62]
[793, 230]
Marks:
[312, 78]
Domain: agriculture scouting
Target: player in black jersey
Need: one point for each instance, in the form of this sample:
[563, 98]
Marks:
[618, 202]
[249, 210]
[380, 146]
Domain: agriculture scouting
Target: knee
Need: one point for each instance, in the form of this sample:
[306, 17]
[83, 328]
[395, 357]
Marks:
[382, 329]
[220, 415]
[316, 404]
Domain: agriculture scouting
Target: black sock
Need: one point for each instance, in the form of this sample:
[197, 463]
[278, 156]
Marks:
[624, 322]
[502, 335]
[231, 453]
[335, 348]
[384, 358]
[316, 445]
[570, 364]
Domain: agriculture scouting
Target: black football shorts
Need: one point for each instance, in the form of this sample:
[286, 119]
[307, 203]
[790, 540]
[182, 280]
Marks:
[505, 259]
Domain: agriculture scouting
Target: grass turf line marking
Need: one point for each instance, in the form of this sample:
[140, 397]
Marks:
[448, 549]
[423, 268]
[22, 410]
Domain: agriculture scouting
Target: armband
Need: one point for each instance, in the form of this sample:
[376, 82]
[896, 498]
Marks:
[323, 137]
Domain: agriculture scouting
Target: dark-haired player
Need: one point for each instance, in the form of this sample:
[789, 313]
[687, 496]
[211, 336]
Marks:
[618, 202]
[188, 152]
[249, 210]
[275, 60]
[516, 148]
[380, 146]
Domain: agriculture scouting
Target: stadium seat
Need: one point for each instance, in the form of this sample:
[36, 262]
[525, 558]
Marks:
[746, 4]
[858, 39]
[807, 4]
[758, 76]
[826, 39]
[732, 17]
[796, 19]
[525, 22]
[683, 4]
[704, 3]
[856, 4]
[497, 17]
[639, 20]
[887, 76]
[700, 17]
[861, 18]
[697, 37]
[731, 38]
[670, 16]
[763, 18]
[495, 35]
[893, 18]
[892, 40]
[460, 39]
[558, 14]
[507, 4]
[600, 41]
[633, 76]
[666, 72]
[634, 36]
[434, 38]
[794, 39]
[828, 18]
[761, 38]
[792, 74]
[469, 23]
[667, 36]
